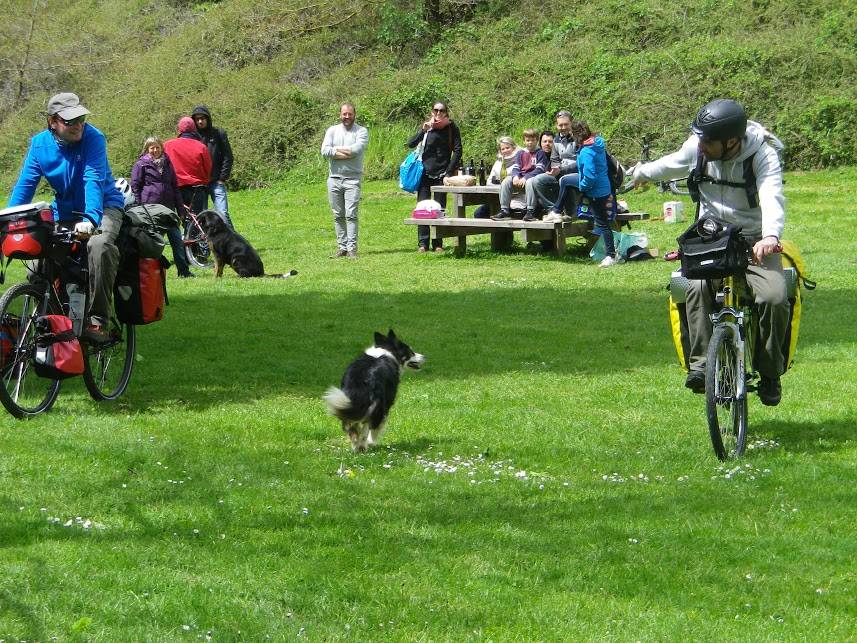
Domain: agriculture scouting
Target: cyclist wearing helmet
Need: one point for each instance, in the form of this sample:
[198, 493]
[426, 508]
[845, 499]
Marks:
[71, 155]
[722, 147]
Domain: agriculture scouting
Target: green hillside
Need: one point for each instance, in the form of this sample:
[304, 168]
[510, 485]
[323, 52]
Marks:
[274, 72]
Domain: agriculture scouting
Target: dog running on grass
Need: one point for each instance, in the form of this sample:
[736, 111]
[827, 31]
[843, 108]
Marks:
[368, 389]
[231, 249]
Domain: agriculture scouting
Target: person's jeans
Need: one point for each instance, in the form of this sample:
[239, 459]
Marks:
[174, 235]
[569, 185]
[217, 192]
[344, 198]
[602, 223]
[541, 190]
[103, 260]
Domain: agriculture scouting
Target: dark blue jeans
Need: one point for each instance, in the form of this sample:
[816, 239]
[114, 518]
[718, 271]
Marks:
[179, 256]
[568, 186]
[602, 223]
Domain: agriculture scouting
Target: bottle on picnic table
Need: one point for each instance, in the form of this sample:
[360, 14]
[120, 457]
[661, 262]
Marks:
[461, 168]
[482, 180]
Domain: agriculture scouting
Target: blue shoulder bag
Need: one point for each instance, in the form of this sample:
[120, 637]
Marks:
[411, 169]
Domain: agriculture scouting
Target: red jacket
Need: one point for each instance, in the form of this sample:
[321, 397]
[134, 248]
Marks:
[190, 159]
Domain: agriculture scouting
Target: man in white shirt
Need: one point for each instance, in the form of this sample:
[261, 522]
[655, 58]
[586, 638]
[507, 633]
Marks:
[344, 145]
[723, 152]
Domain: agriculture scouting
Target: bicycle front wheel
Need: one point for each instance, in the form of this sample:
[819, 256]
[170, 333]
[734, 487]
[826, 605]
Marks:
[23, 393]
[727, 413]
[108, 366]
[196, 246]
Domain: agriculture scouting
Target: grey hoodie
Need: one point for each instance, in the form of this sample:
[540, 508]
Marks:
[730, 203]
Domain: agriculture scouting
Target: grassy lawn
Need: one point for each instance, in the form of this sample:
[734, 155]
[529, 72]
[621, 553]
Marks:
[545, 477]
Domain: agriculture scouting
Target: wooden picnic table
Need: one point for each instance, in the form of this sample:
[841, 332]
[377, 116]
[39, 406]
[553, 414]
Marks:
[460, 227]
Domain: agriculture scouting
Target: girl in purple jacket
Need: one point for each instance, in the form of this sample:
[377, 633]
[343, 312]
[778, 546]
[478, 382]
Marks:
[153, 180]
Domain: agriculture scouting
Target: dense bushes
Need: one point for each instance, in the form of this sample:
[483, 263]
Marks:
[274, 72]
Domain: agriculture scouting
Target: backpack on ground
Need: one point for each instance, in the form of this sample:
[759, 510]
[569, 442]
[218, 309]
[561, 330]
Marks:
[58, 352]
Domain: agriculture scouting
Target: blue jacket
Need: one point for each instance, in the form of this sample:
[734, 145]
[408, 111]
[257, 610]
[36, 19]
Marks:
[592, 167]
[79, 175]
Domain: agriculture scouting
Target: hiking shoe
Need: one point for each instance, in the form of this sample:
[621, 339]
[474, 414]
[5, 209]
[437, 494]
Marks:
[607, 262]
[439, 249]
[95, 334]
[351, 254]
[338, 254]
[770, 390]
[529, 216]
[502, 215]
[553, 217]
[695, 381]
[422, 249]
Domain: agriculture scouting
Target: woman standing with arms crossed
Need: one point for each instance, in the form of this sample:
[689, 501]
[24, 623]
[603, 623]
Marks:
[153, 180]
[441, 154]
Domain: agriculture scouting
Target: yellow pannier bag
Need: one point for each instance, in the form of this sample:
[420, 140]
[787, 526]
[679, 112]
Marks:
[796, 279]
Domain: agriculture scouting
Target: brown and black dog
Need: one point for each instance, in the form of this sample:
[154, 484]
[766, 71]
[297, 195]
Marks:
[231, 249]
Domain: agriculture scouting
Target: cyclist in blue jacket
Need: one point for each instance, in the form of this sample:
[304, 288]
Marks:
[71, 155]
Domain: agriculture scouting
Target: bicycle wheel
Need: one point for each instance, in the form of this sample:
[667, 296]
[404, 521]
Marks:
[727, 414]
[196, 246]
[24, 393]
[107, 368]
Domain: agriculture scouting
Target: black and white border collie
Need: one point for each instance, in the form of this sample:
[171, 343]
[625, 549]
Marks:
[368, 389]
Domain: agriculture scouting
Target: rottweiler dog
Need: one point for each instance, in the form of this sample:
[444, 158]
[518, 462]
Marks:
[231, 249]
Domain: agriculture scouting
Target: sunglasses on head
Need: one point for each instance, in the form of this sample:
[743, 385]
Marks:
[73, 121]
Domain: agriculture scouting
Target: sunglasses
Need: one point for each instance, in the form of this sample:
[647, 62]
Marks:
[438, 111]
[74, 121]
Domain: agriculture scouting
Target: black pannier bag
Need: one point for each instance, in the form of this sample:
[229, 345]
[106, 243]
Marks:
[711, 249]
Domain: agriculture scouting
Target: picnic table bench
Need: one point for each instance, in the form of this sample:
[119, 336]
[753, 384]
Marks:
[460, 227]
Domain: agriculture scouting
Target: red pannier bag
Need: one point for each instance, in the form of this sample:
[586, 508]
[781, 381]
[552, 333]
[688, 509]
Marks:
[141, 291]
[58, 353]
[27, 235]
[8, 337]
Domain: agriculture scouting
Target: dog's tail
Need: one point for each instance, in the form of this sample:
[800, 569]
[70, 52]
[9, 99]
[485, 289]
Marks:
[338, 403]
[285, 275]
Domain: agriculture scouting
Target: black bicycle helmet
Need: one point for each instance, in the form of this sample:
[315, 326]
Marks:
[720, 120]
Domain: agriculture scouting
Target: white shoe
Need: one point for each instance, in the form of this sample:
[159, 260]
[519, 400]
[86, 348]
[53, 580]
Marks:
[607, 262]
[552, 217]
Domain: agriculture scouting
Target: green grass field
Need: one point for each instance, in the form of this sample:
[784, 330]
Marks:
[545, 477]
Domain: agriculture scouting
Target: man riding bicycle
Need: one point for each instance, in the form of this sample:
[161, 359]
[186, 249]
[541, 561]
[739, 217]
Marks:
[71, 155]
[736, 177]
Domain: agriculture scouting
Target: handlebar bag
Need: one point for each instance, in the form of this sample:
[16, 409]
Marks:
[711, 249]
[58, 352]
[27, 236]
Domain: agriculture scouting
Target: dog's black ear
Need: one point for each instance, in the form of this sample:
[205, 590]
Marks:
[379, 339]
[391, 334]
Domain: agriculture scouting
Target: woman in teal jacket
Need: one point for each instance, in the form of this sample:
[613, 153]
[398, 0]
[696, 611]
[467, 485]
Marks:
[594, 183]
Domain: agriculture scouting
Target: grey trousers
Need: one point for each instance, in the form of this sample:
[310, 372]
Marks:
[508, 192]
[344, 198]
[769, 289]
[542, 189]
[103, 262]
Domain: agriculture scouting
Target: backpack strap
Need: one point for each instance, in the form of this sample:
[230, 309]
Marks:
[699, 176]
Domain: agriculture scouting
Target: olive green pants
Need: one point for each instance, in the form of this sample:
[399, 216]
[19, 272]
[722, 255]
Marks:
[769, 289]
[103, 263]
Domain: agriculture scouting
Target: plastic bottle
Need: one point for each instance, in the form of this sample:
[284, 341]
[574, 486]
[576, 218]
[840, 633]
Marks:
[76, 306]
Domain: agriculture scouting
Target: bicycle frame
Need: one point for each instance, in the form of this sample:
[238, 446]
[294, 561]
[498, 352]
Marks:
[737, 312]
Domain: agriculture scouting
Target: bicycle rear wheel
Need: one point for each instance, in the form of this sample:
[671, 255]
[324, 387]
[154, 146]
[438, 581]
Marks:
[196, 246]
[727, 413]
[23, 393]
[108, 367]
